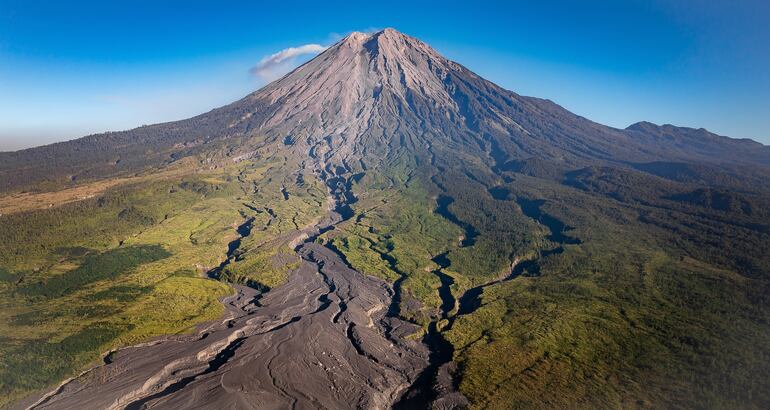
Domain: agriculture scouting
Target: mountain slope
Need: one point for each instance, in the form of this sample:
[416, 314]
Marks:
[361, 93]
[524, 255]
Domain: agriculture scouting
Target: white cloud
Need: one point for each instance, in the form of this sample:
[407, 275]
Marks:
[278, 64]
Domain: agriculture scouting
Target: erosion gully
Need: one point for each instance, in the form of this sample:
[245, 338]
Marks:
[336, 330]
[437, 382]
[322, 340]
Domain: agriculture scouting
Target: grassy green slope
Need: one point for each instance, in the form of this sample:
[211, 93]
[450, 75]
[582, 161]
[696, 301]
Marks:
[637, 313]
[657, 297]
[85, 276]
[625, 319]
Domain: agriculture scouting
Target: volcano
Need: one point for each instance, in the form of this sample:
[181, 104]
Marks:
[409, 234]
[371, 98]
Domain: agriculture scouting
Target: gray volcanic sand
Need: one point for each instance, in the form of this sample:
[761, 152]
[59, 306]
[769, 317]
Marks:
[322, 340]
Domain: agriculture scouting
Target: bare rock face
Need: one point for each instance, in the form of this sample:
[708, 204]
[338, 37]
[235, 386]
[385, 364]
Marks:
[368, 97]
[373, 98]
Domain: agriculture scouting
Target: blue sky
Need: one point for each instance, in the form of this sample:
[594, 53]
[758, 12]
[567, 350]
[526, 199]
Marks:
[72, 68]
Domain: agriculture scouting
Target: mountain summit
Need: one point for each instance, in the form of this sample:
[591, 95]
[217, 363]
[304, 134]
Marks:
[372, 98]
[377, 95]
[358, 94]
